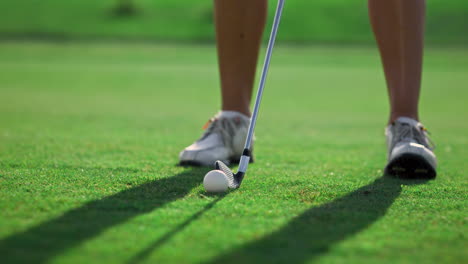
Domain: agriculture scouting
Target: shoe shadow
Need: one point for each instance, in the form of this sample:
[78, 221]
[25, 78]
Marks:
[142, 255]
[39, 244]
[312, 233]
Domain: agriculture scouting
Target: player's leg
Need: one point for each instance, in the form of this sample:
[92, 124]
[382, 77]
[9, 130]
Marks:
[399, 30]
[239, 27]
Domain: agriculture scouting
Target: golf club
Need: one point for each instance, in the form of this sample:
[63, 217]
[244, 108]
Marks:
[235, 180]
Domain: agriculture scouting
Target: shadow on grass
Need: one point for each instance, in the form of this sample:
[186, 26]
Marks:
[41, 243]
[142, 255]
[312, 233]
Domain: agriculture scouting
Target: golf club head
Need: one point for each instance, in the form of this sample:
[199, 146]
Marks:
[234, 180]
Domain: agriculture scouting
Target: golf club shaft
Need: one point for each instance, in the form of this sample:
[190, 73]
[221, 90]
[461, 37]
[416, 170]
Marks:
[248, 142]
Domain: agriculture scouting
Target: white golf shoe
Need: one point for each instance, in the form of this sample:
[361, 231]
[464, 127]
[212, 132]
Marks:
[223, 140]
[410, 152]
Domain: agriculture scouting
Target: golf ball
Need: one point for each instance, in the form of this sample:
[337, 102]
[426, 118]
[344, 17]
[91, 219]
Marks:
[215, 181]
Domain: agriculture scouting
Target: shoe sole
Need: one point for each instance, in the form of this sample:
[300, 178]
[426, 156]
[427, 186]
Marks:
[193, 163]
[410, 166]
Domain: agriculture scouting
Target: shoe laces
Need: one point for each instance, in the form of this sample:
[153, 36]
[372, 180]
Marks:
[409, 133]
[223, 126]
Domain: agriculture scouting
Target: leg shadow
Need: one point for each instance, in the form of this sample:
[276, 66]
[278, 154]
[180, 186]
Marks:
[161, 241]
[312, 233]
[40, 243]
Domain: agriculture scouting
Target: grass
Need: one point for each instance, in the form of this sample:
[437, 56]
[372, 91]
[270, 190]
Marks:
[89, 137]
[320, 21]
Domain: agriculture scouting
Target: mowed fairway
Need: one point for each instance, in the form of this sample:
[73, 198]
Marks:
[90, 136]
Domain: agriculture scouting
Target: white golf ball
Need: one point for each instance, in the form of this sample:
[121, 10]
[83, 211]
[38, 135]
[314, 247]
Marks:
[215, 181]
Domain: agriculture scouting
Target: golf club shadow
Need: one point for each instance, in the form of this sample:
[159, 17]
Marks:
[142, 255]
[312, 233]
[40, 243]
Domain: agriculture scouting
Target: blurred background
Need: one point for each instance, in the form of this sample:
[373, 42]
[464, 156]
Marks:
[320, 21]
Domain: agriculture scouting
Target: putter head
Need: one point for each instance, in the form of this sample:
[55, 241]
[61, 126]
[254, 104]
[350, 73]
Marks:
[234, 180]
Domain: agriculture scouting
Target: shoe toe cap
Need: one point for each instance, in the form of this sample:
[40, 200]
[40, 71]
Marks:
[416, 149]
[205, 157]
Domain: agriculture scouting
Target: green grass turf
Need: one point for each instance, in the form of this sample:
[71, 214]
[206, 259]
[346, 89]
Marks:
[336, 21]
[89, 137]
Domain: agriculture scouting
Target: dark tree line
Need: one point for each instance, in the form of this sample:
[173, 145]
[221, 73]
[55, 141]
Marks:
[125, 8]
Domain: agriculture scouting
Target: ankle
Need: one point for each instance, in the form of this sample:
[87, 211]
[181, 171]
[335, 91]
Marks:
[394, 116]
[244, 112]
